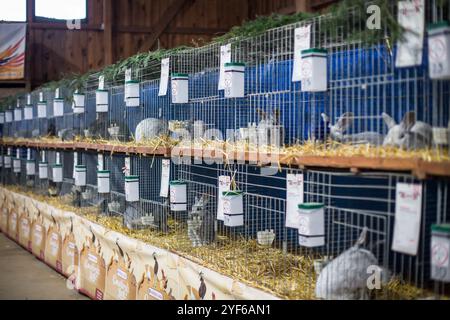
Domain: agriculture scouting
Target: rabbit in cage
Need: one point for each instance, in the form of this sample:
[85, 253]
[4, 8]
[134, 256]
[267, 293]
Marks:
[100, 128]
[345, 121]
[201, 222]
[150, 128]
[409, 133]
[161, 215]
[132, 216]
[345, 277]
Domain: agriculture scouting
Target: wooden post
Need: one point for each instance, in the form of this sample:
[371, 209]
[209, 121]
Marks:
[108, 31]
[29, 45]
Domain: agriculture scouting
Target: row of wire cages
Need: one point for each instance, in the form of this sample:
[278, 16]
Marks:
[264, 248]
[254, 238]
[367, 99]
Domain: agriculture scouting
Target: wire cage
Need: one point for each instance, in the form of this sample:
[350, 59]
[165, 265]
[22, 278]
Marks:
[252, 240]
[352, 203]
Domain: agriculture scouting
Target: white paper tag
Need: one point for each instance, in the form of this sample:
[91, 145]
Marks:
[18, 103]
[165, 176]
[224, 185]
[164, 81]
[128, 75]
[43, 155]
[57, 93]
[411, 16]
[101, 82]
[100, 165]
[58, 158]
[18, 153]
[225, 56]
[302, 41]
[408, 212]
[28, 154]
[28, 99]
[294, 196]
[9, 152]
[41, 96]
[127, 167]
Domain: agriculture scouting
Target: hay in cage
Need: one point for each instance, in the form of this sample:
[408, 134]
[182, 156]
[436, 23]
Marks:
[287, 154]
[283, 274]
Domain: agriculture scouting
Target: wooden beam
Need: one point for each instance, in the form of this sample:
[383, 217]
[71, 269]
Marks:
[108, 31]
[63, 26]
[167, 17]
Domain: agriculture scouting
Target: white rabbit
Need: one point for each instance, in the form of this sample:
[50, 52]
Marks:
[408, 134]
[345, 277]
[345, 121]
[150, 128]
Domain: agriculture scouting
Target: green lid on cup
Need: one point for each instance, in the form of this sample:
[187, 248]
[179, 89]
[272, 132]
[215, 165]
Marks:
[311, 205]
[231, 193]
[445, 227]
[177, 182]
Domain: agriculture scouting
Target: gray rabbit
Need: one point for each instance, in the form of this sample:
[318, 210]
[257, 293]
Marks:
[345, 121]
[201, 222]
[345, 277]
[150, 128]
[409, 133]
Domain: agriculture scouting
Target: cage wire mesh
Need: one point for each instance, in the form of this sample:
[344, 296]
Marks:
[363, 83]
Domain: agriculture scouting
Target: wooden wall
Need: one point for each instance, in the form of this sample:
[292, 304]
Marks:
[53, 50]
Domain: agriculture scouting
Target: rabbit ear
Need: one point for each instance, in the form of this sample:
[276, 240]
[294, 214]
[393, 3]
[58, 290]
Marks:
[388, 120]
[409, 119]
[345, 121]
[325, 118]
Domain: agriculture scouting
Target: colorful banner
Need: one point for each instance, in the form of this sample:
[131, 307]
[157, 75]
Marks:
[104, 264]
[12, 50]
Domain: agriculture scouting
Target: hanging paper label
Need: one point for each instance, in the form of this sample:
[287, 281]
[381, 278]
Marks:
[29, 99]
[18, 154]
[9, 152]
[41, 96]
[57, 93]
[165, 176]
[225, 56]
[128, 75]
[164, 81]
[100, 165]
[408, 210]
[18, 103]
[411, 17]
[43, 155]
[58, 158]
[294, 196]
[302, 41]
[127, 167]
[28, 154]
[224, 185]
[101, 82]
